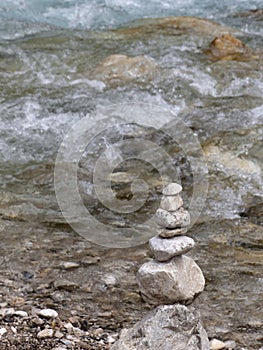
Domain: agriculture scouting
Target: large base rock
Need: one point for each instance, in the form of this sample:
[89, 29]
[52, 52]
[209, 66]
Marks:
[178, 280]
[168, 327]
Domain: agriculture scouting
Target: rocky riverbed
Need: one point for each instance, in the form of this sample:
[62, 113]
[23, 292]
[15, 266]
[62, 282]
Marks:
[95, 294]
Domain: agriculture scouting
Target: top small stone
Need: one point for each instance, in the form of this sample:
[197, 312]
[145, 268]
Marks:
[172, 189]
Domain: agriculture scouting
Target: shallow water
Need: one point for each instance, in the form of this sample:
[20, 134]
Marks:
[47, 56]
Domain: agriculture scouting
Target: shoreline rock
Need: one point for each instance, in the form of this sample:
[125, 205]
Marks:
[167, 327]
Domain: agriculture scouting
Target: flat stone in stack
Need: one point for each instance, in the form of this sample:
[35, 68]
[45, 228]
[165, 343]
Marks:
[165, 249]
[168, 233]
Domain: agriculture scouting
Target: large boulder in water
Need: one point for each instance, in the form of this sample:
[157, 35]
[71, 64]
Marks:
[121, 69]
[175, 26]
[227, 47]
[168, 327]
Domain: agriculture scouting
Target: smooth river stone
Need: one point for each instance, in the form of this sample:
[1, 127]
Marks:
[166, 327]
[166, 248]
[169, 233]
[179, 218]
[171, 203]
[178, 280]
[172, 189]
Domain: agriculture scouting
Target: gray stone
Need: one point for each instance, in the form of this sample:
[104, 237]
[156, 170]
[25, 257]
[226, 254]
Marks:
[178, 280]
[48, 313]
[171, 203]
[167, 327]
[179, 218]
[166, 248]
[230, 344]
[168, 233]
[65, 284]
[46, 333]
[172, 189]
[216, 344]
[67, 265]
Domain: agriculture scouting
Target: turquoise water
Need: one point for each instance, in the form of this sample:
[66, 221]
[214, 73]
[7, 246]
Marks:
[96, 14]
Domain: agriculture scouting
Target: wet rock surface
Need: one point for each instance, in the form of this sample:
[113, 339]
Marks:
[121, 69]
[227, 47]
[175, 25]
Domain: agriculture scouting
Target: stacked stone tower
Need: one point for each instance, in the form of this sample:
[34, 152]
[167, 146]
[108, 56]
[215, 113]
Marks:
[171, 277]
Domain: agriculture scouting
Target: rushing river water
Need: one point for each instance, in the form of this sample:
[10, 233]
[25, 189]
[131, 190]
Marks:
[51, 77]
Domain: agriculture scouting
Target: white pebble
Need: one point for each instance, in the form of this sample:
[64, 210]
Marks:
[21, 313]
[46, 333]
[48, 313]
[216, 344]
[2, 331]
[70, 265]
[172, 189]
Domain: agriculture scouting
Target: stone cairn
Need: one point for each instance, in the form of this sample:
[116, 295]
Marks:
[171, 277]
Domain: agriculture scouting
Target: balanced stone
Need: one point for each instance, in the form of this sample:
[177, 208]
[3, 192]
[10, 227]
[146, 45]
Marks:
[171, 203]
[172, 189]
[178, 280]
[165, 249]
[166, 327]
[168, 233]
[179, 218]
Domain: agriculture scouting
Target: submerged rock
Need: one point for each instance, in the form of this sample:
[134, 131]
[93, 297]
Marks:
[173, 327]
[227, 47]
[178, 280]
[254, 14]
[121, 69]
[175, 25]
